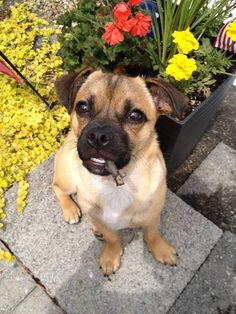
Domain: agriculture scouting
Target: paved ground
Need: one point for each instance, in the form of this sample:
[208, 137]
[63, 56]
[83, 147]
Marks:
[63, 259]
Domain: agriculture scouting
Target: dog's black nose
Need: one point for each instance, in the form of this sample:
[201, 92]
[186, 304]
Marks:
[99, 137]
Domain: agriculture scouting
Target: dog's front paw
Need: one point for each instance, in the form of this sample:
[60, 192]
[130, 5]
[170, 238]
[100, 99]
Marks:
[110, 259]
[72, 214]
[163, 252]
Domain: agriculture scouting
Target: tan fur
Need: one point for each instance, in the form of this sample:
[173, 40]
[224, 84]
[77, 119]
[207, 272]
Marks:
[143, 193]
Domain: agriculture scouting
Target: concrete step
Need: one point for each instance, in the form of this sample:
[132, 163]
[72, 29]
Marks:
[211, 189]
[65, 257]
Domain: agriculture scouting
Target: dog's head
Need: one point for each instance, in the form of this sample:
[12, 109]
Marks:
[114, 116]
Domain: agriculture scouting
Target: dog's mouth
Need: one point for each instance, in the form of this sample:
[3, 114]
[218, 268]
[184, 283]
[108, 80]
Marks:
[101, 166]
[96, 165]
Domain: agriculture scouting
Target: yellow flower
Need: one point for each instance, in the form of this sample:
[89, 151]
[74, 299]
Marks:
[231, 31]
[185, 41]
[181, 67]
[3, 183]
[23, 131]
[7, 256]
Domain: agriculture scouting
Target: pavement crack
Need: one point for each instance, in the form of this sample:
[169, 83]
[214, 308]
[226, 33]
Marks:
[36, 280]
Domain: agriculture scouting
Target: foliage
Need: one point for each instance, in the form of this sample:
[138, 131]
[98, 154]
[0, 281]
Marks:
[210, 62]
[31, 49]
[82, 44]
[29, 131]
[192, 68]
[179, 15]
[213, 26]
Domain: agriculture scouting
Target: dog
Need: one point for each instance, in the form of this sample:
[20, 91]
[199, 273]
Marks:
[113, 119]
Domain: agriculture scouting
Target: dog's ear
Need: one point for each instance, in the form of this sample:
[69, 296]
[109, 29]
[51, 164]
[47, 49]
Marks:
[68, 85]
[167, 98]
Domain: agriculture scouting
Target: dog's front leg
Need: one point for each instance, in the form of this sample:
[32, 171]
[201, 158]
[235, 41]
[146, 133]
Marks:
[71, 211]
[161, 249]
[110, 258]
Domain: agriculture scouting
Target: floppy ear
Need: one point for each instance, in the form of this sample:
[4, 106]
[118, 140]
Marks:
[166, 97]
[68, 85]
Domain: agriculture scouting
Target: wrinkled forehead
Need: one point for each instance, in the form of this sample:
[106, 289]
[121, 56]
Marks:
[109, 90]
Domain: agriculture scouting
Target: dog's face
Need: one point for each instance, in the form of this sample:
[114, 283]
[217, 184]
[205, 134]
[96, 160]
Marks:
[114, 116]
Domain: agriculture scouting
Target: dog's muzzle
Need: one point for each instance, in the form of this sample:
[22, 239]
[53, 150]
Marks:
[100, 142]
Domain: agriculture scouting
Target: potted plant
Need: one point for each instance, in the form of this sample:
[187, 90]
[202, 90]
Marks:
[160, 38]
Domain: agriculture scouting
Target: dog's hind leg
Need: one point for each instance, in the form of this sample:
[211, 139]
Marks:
[71, 211]
[110, 258]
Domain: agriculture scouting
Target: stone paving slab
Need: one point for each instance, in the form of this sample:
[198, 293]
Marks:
[213, 289]
[65, 257]
[15, 285]
[211, 189]
[19, 293]
[37, 302]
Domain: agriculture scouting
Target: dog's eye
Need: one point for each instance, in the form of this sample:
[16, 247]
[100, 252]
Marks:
[136, 116]
[82, 107]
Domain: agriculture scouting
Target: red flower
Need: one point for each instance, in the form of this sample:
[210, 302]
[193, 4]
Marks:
[141, 26]
[126, 26]
[112, 35]
[121, 12]
[134, 2]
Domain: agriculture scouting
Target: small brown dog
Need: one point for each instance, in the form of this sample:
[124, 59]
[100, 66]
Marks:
[113, 121]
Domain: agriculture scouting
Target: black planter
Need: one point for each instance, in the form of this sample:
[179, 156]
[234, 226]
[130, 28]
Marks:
[178, 138]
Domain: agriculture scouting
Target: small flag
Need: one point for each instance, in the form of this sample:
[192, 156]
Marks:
[6, 70]
[224, 42]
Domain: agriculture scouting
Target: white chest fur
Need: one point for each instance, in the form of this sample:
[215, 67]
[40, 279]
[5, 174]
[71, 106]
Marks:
[115, 200]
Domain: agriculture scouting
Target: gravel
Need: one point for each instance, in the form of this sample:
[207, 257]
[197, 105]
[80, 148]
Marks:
[51, 10]
[48, 10]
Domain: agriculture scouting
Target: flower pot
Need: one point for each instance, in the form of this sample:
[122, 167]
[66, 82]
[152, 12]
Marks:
[178, 138]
